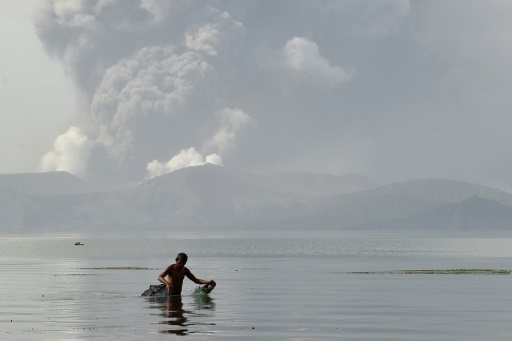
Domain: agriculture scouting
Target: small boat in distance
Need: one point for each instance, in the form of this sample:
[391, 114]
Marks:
[78, 243]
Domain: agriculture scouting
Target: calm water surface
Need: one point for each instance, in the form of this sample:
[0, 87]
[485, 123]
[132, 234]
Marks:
[268, 289]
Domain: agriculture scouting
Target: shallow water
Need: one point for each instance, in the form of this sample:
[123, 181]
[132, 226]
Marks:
[289, 289]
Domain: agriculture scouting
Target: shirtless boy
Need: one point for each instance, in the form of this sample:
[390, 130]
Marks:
[176, 273]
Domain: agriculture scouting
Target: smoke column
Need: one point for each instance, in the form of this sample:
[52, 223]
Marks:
[167, 84]
[148, 80]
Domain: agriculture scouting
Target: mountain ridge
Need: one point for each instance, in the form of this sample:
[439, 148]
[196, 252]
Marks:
[215, 197]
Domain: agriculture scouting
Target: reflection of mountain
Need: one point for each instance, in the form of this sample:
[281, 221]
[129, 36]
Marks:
[213, 197]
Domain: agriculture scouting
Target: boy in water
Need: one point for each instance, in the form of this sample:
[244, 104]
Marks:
[176, 273]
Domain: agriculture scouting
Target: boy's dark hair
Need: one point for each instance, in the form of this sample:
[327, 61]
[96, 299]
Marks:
[182, 256]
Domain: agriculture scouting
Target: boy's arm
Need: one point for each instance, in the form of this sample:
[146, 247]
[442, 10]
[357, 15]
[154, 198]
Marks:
[161, 278]
[196, 280]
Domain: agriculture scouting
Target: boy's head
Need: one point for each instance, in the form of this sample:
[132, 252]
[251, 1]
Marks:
[181, 259]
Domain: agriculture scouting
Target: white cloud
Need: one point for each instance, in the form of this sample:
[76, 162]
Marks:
[71, 13]
[70, 153]
[160, 9]
[205, 39]
[216, 36]
[231, 121]
[214, 159]
[303, 56]
[185, 158]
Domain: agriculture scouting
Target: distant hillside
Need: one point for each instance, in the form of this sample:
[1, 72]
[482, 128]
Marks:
[217, 196]
[210, 196]
[356, 210]
[396, 205]
[474, 213]
[448, 191]
[322, 185]
[214, 197]
[51, 183]
[17, 210]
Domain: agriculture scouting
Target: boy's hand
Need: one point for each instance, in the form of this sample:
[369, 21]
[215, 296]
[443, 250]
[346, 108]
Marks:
[212, 282]
[168, 287]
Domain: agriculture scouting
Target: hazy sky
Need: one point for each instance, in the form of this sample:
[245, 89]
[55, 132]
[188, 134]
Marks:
[130, 89]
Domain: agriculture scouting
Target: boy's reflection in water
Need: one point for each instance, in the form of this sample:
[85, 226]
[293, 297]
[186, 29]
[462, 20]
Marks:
[181, 319]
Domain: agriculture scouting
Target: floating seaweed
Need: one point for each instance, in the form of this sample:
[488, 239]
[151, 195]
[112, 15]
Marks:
[437, 272]
[120, 268]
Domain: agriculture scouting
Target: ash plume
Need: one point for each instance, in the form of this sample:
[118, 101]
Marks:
[147, 73]
[167, 84]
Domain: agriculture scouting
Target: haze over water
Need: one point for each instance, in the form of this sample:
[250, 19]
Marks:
[285, 288]
[298, 115]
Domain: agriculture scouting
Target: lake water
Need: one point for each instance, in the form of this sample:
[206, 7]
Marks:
[289, 286]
